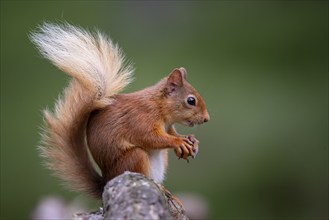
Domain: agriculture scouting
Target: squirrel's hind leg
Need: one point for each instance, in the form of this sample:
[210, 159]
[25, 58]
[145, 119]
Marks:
[139, 162]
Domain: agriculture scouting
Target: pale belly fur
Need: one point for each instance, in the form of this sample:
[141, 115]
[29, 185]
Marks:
[157, 165]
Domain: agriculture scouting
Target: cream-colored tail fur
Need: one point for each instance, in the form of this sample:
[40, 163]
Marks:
[98, 71]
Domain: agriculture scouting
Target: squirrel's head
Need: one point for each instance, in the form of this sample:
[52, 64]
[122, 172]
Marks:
[185, 103]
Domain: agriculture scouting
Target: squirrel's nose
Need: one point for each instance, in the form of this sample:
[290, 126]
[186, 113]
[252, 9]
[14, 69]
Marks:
[206, 118]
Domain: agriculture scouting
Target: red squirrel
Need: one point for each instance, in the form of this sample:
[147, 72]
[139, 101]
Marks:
[123, 132]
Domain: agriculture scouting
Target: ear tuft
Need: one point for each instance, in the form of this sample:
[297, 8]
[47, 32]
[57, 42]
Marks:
[175, 80]
[183, 72]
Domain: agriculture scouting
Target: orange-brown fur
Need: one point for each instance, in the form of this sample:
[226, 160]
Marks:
[142, 120]
[124, 132]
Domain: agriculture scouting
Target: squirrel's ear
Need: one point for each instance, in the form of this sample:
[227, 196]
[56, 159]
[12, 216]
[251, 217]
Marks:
[183, 72]
[175, 80]
[177, 76]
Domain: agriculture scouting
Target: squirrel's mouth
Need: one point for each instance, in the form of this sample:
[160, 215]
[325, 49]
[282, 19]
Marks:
[188, 123]
[192, 123]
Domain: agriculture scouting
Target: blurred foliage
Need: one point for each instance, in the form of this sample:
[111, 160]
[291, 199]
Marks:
[262, 68]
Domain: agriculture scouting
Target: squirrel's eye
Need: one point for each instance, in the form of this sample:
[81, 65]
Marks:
[191, 100]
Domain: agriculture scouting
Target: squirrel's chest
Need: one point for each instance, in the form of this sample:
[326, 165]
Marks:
[158, 165]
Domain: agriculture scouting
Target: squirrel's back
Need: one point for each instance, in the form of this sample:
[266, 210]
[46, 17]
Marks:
[99, 71]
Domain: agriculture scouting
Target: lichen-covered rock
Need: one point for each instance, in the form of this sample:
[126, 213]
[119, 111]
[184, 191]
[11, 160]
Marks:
[134, 196]
[98, 215]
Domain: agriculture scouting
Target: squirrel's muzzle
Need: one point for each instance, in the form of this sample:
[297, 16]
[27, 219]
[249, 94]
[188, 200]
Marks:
[206, 117]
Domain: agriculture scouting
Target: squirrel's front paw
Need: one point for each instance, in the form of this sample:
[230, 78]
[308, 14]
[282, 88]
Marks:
[195, 142]
[183, 147]
[192, 138]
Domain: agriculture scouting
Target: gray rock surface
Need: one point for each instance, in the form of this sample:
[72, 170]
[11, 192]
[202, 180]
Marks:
[134, 196]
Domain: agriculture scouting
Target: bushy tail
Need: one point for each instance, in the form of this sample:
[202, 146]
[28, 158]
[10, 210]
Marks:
[98, 71]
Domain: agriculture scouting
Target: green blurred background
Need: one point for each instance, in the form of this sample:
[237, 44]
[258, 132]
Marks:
[262, 68]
